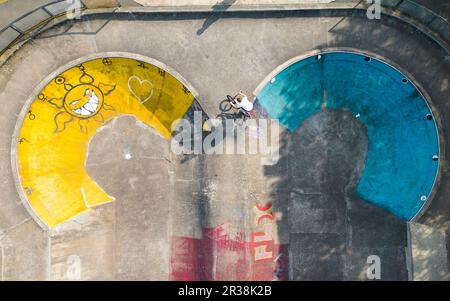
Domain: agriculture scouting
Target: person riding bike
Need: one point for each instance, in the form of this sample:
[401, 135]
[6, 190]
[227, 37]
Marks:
[240, 101]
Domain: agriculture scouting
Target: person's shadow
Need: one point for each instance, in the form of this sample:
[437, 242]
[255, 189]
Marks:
[215, 15]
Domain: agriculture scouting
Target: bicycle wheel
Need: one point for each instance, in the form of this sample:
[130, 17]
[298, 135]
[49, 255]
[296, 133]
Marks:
[225, 106]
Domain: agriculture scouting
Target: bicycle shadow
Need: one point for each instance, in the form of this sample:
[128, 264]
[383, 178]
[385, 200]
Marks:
[228, 112]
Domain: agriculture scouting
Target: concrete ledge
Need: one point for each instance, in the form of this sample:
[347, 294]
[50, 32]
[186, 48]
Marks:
[100, 3]
[335, 6]
[390, 8]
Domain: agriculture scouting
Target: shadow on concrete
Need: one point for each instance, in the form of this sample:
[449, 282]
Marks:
[427, 72]
[428, 67]
[330, 231]
[337, 247]
[220, 6]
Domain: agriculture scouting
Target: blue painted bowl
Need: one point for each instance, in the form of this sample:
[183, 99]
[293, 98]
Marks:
[403, 151]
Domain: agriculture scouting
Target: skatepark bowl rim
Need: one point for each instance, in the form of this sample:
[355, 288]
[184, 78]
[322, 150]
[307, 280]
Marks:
[25, 109]
[424, 95]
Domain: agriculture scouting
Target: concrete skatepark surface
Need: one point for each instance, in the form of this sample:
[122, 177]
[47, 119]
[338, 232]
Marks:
[319, 230]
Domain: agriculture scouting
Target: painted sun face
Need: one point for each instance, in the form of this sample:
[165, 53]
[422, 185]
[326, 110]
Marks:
[83, 101]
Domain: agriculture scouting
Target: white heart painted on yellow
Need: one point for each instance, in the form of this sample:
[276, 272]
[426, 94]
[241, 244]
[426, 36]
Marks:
[141, 82]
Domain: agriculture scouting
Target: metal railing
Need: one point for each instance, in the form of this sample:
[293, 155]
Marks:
[36, 19]
[428, 18]
[33, 20]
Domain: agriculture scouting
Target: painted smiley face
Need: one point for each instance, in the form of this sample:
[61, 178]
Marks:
[84, 101]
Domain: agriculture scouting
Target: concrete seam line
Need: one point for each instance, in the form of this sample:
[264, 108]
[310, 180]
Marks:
[2, 256]
[408, 251]
[49, 257]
